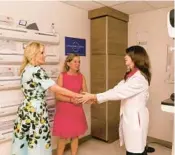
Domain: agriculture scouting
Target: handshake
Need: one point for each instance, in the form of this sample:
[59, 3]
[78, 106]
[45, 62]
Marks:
[84, 98]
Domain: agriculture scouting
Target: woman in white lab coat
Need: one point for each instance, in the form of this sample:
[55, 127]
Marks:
[133, 93]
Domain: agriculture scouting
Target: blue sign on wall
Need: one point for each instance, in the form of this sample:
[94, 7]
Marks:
[75, 45]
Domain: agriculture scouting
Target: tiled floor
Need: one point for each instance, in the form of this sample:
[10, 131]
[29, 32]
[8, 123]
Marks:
[96, 147]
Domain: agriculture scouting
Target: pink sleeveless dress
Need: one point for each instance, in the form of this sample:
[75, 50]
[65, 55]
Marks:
[70, 120]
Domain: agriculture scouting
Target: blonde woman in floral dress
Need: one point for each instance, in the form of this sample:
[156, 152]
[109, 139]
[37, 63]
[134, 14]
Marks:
[31, 128]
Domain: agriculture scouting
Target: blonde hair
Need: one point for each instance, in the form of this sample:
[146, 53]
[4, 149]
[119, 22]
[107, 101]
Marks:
[31, 50]
[69, 58]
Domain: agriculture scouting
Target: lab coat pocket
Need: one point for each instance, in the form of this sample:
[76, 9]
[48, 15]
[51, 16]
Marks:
[133, 121]
[138, 120]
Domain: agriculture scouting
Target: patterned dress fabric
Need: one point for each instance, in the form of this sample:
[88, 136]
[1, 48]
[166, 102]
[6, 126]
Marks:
[31, 129]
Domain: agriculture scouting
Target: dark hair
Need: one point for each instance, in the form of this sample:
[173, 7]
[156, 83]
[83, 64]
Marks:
[141, 60]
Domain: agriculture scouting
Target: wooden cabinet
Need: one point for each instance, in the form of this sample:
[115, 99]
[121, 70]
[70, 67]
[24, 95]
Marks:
[109, 35]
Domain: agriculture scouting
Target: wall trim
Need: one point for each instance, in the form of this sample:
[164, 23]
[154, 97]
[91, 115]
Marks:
[159, 141]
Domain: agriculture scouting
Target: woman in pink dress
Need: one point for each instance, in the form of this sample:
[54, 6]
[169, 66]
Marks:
[70, 121]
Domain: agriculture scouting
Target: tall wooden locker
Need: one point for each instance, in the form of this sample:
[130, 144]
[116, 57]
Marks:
[109, 35]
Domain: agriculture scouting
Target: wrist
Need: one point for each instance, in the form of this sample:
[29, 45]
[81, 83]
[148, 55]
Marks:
[70, 99]
[94, 97]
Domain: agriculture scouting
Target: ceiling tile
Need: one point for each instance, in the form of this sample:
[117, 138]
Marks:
[109, 3]
[133, 7]
[160, 4]
[87, 5]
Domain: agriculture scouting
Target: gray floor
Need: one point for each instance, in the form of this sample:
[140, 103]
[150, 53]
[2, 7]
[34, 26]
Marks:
[96, 147]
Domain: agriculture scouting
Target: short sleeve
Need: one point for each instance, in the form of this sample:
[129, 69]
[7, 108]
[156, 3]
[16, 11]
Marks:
[41, 77]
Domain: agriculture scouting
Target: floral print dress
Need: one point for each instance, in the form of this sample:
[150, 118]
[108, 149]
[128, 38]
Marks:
[31, 129]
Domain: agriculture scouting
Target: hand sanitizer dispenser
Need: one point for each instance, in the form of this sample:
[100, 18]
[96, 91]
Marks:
[170, 23]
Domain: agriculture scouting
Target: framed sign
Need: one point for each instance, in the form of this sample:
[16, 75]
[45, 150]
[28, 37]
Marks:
[75, 45]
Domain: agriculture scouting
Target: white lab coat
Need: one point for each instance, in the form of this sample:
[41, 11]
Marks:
[134, 116]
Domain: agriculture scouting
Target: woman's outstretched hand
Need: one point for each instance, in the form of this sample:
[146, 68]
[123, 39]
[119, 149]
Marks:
[87, 98]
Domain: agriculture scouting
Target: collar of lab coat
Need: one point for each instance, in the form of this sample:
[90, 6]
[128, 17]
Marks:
[137, 74]
[132, 73]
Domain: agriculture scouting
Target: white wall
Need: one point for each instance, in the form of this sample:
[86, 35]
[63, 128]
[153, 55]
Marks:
[69, 21]
[154, 22]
